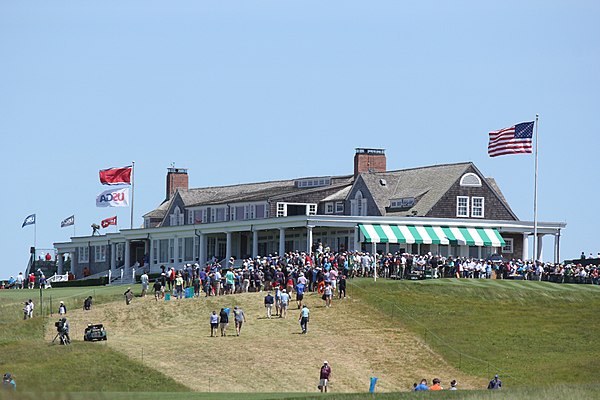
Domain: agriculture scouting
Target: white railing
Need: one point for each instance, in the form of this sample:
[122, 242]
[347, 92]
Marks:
[58, 278]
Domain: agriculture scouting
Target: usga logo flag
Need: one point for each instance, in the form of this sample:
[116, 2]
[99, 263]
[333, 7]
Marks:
[109, 221]
[113, 198]
[68, 221]
[29, 220]
[116, 176]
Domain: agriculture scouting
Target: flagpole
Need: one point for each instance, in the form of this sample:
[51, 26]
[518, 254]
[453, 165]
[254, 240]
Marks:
[535, 193]
[35, 232]
[132, 192]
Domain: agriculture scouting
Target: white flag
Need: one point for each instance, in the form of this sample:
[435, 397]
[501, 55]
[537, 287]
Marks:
[113, 198]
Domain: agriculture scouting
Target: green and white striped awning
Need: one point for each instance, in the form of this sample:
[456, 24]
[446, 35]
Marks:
[427, 234]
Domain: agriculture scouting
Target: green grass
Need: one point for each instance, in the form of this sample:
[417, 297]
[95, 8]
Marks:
[41, 366]
[531, 333]
[563, 392]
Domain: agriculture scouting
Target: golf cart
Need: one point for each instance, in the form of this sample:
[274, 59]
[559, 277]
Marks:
[94, 332]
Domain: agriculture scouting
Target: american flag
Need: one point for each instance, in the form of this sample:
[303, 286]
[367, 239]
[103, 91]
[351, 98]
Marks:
[513, 140]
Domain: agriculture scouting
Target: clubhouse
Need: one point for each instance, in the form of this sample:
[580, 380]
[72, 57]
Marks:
[449, 209]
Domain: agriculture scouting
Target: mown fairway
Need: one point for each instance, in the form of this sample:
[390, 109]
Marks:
[533, 334]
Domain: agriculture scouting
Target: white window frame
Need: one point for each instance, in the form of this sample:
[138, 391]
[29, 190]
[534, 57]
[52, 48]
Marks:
[329, 208]
[155, 244]
[213, 214]
[509, 247]
[204, 215]
[311, 209]
[83, 255]
[232, 214]
[180, 249]
[170, 254]
[470, 175]
[250, 211]
[474, 208]
[396, 203]
[339, 207]
[458, 206]
[190, 217]
[100, 253]
[281, 209]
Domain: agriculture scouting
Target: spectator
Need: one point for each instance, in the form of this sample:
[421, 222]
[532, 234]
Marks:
[128, 296]
[239, 318]
[453, 384]
[436, 384]
[87, 303]
[214, 324]
[304, 318]
[422, 386]
[324, 376]
[8, 382]
[223, 321]
[269, 300]
[62, 309]
[495, 383]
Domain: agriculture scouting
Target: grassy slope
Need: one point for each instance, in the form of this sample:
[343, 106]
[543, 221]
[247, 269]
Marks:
[532, 333]
[270, 355]
[40, 366]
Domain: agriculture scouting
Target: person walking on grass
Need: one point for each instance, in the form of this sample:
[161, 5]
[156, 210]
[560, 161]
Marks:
[285, 303]
[145, 283]
[342, 287]
[179, 286]
[299, 294]
[269, 300]
[324, 376]
[158, 289]
[87, 303]
[214, 324]
[62, 309]
[304, 318]
[223, 321]
[327, 294]
[240, 318]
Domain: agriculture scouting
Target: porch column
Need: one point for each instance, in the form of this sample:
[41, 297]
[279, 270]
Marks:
[309, 238]
[127, 254]
[175, 251]
[356, 239]
[539, 255]
[59, 267]
[281, 242]
[216, 249]
[202, 249]
[525, 254]
[254, 243]
[113, 256]
[557, 248]
[228, 247]
[148, 252]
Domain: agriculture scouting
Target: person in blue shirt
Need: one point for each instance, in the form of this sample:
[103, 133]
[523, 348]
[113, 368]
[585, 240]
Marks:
[422, 386]
[299, 294]
[304, 318]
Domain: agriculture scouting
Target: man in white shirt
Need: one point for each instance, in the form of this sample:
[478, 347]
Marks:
[285, 302]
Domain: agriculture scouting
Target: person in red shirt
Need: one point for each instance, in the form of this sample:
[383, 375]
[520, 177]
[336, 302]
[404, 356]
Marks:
[31, 280]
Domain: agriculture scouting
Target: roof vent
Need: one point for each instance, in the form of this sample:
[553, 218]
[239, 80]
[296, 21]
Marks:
[382, 182]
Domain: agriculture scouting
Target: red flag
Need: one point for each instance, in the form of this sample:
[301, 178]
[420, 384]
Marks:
[109, 221]
[116, 176]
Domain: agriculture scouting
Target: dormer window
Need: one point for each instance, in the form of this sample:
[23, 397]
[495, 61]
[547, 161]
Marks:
[470, 179]
[177, 218]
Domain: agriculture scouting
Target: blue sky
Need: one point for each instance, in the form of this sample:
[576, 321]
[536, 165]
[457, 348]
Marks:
[244, 91]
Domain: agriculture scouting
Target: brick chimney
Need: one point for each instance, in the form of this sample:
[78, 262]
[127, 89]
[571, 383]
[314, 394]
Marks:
[177, 178]
[369, 160]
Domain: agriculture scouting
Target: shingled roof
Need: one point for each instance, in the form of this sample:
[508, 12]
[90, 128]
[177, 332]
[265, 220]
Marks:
[426, 184]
